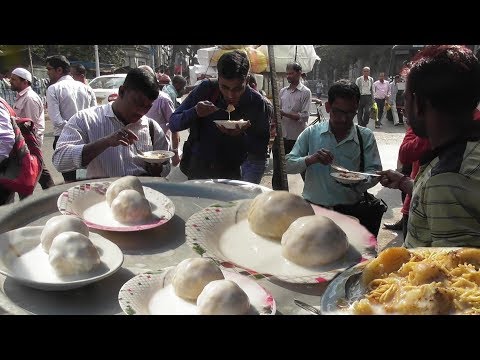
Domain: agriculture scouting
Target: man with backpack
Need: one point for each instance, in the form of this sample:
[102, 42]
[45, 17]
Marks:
[7, 140]
[29, 105]
[21, 160]
[213, 151]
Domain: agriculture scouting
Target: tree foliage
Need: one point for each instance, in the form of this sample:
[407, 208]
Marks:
[338, 60]
[110, 54]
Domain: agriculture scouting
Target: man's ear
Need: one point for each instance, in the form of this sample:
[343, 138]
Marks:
[420, 104]
[328, 107]
[121, 91]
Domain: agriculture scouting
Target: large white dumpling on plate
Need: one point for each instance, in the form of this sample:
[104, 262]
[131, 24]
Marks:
[314, 240]
[131, 207]
[73, 253]
[59, 224]
[271, 213]
[191, 276]
[223, 297]
[124, 183]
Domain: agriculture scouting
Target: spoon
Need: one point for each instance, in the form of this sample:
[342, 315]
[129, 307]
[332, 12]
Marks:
[139, 152]
[342, 169]
[307, 307]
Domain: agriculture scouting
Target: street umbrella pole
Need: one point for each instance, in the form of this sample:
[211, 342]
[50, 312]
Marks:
[279, 179]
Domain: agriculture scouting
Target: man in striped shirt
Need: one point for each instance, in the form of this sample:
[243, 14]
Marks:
[105, 139]
[442, 91]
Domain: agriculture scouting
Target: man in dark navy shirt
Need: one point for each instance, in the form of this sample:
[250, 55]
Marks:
[217, 152]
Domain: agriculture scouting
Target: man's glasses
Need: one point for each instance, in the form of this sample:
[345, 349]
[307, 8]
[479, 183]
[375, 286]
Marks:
[347, 114]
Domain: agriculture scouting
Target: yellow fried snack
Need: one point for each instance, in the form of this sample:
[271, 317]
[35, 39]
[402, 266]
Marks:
[230, 108]
[467, 255]
[421, 281]
[388, 260]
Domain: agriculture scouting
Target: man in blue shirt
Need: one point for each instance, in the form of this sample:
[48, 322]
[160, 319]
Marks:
[335, 141]
[217, 152]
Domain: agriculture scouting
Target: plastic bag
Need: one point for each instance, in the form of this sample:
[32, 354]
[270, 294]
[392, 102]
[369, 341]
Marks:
[258, 60]
[374, 112]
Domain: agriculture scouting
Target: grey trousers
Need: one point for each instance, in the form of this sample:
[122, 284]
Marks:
[364, 106]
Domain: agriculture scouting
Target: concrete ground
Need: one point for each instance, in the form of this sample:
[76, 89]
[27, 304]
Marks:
[388, 138]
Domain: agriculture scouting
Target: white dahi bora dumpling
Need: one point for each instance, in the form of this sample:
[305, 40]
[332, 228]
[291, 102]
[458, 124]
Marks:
[191, 276]
[73, 253]
[314, 240]
[59, 224]
[271, 213]
[223, 297]
[131, 207]
[124, 183]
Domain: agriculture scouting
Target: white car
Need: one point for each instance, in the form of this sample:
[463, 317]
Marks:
[106, 87]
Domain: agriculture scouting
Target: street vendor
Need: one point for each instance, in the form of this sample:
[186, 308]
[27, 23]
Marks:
[442, 91]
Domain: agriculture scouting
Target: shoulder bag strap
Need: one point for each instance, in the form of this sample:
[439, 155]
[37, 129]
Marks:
[150, 130]
[362, 157]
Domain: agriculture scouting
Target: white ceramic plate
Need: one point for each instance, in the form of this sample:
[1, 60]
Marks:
[348, 178]
[231, 124]
[223, 232]
[156, 156]
[87, 201]
[22, 258]
[342, 292]
[152, 294]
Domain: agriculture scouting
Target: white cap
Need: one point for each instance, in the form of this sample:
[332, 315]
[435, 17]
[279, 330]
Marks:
[23, 73]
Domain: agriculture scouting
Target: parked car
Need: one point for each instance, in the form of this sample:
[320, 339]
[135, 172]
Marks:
[106, 87]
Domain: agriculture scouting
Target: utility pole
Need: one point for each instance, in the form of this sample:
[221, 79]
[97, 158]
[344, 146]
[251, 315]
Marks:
[280, 179]
[152, 52]
[30, 57]
[97, 61]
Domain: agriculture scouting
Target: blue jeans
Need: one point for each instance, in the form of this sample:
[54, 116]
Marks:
[252, 170]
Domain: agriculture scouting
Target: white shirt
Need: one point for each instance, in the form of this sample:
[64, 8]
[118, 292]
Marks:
[161, 110]
[29, 105]
[65, 98]
[94, 123]
[365, 86]
[7, 135]
[296, 101]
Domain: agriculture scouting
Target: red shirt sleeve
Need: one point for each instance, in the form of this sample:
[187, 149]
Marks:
[412, 148]
[476, 114]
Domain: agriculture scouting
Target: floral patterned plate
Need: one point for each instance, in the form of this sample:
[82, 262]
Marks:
[152, 293]
[223, 233]
[87, 201]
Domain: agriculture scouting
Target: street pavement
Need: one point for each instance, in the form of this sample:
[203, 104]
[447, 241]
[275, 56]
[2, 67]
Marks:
[388, 138]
